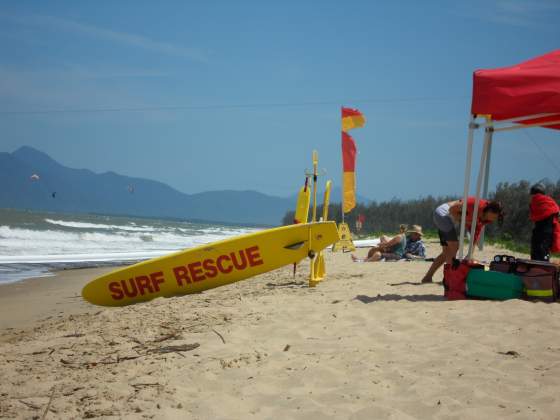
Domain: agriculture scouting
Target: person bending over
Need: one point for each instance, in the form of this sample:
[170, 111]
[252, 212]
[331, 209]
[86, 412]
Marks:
[546, 232]
[447, 217]
[388, 248]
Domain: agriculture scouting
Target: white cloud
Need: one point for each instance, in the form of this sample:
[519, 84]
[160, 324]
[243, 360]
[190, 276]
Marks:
[36, 90]
[100, 33]
[521, 13]
[82, 93]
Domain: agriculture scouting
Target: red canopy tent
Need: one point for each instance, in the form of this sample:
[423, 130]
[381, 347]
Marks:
[509, 98]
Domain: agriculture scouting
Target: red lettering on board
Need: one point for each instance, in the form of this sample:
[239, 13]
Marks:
[211, 270]
[157, 278]
[239, 265]
[254, 256]
[181, 274]
[207, 269]
[143, 282]
[133, 291]
[134, 286]
[221, 267]
[115, 289]
[196, 271]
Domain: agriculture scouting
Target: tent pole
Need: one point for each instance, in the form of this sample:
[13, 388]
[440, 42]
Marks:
[468, 165]
[487, 137]
[485, 188]
[520, 126]
[342, 193]
[517, 119]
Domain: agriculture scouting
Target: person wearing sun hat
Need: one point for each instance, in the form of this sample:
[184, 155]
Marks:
[415, 249]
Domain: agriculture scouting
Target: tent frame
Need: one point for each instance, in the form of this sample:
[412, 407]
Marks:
[490, 127]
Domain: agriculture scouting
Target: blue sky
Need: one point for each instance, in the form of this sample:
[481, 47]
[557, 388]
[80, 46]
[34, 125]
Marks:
[250, 88]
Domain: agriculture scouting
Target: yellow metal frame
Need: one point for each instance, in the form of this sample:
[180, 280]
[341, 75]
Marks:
[317, 269]
[344, 243]
[315, 174]
[302, 205]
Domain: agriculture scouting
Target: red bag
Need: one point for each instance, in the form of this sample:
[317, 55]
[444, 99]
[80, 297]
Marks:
[455, 278]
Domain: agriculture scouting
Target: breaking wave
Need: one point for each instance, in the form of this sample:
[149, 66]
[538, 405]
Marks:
[28, 240]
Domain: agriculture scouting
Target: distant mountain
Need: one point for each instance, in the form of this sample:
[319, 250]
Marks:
[80, 190]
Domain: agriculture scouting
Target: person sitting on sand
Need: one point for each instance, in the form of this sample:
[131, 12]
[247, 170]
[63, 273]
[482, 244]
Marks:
[415, 249]
[388, 248]
[447, 216]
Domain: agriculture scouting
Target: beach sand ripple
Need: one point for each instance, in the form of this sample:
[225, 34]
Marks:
[369, 342]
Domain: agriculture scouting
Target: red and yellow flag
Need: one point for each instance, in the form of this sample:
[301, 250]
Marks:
[352, 118]
[348, 172]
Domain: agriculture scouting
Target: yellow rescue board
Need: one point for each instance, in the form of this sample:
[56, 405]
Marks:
[211, 265]
[302, 206]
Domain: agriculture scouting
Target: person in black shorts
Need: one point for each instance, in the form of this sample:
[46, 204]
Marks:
[446, 218]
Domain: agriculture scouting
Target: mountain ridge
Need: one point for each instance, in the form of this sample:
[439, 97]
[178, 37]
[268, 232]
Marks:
[64, 189]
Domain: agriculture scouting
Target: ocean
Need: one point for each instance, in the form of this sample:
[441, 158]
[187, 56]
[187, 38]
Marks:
[33, 244]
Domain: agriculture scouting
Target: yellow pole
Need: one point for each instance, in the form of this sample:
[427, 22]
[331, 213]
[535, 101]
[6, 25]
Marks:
[315, 159]
[315, 173]
[326, 200]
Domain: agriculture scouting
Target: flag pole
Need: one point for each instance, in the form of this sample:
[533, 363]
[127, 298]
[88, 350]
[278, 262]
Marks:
[342, 170]
[344, 242]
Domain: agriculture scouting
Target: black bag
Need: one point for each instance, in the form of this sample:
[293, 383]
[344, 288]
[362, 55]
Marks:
[504, 264]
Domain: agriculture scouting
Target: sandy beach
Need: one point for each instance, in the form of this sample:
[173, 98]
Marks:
[368, 342]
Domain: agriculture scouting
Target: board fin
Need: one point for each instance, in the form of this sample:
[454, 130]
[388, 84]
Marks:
[295, 246]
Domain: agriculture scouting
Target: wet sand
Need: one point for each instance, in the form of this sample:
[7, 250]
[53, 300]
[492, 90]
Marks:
[24, 303]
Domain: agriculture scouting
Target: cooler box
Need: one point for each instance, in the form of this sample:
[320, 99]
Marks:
[494, 285]
[540, 280]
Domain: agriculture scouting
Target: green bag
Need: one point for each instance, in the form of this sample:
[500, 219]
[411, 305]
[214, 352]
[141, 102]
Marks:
[494, 285]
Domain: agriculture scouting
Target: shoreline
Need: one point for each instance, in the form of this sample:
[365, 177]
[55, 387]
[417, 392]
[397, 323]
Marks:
[59, 293]
[25, 302]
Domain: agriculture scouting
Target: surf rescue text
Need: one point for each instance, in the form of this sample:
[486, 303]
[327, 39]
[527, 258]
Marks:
[186, 274]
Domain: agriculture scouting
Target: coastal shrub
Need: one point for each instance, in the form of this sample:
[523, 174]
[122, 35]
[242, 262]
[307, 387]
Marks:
[388, 215]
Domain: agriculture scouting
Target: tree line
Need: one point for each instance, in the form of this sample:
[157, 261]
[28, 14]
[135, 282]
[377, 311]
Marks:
[387, 216]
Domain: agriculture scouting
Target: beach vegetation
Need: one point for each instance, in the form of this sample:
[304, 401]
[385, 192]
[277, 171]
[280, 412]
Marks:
[385, 217]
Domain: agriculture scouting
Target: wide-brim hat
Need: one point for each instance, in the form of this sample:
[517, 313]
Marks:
[415, 229]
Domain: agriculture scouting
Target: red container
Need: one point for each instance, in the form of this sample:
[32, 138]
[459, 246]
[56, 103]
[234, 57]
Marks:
[455, 278]
[541, 280]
